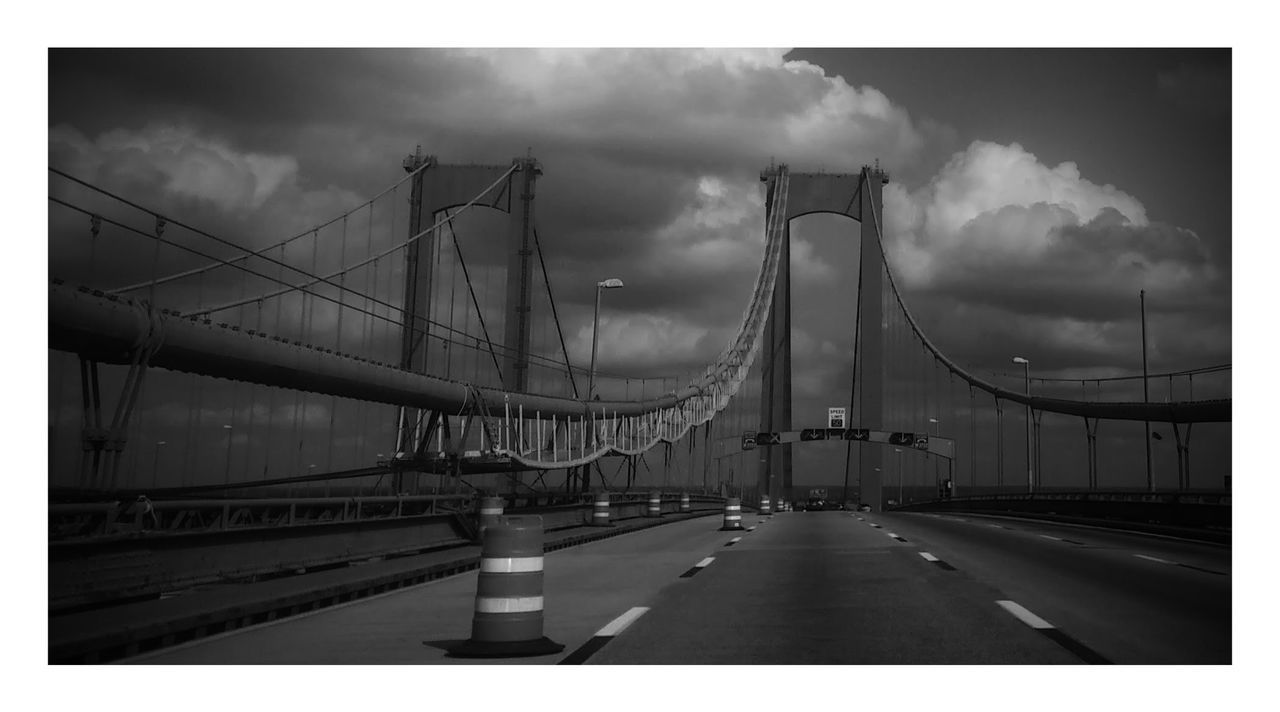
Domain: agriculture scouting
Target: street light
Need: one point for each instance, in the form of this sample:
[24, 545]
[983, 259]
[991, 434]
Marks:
[934, 421]
[1026, 374]
[155, 463]
[226, 477]
[881, 502]
[899, 451]
[611, 283]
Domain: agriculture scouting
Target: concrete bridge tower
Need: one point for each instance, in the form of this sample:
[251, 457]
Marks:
[858, 196]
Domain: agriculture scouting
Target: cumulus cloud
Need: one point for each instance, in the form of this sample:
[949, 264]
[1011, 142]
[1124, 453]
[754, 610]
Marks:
[179, 160]
[997, 228]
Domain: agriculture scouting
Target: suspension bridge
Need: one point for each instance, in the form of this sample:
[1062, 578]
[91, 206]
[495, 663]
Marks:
[244, 428]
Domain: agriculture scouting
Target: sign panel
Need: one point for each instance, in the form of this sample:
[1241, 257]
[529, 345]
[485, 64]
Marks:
[813, 434]
[835, 417]
[901, 438]
[748, 440]
[922, 442]
[767, 439]
[857, 434]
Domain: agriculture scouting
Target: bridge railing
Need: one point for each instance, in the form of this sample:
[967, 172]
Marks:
[1206, 510]
[81, 520]
[248, 539]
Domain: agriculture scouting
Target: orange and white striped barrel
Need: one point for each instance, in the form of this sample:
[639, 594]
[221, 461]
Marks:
[600, 510]
[655, 505]
[490, 512]
[764, 505]
[684, 502]
[732, 515]
[508, 613]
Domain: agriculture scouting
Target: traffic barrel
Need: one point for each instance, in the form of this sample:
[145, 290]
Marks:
[684, 502]
[732, 515]
[508, 612]
[600, 510]
[655, 505]
[764, 505]
[490, 512]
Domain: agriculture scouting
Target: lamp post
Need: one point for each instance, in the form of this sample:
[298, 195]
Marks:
[226, 476]
[1026, 373]
[155, 463]
[899, 451]
[879, 504]
[934, 422]
[611, 283]
[1142, 303]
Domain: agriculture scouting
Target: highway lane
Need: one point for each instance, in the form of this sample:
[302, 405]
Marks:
[585, 587]
[1133, 598]
[822, 588]
[809, 588]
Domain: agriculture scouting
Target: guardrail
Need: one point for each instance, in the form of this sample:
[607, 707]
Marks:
[140, 549]
[1208, 511]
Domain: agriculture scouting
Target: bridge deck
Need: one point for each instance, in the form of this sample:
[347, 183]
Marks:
[811, 588]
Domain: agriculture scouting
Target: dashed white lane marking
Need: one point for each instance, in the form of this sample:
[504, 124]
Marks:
[928, 557]
[619, 624]
[1048, 630]
[1024, 615]
[1046, 536]
[1152, 558]
[751, 529]
[996, 526]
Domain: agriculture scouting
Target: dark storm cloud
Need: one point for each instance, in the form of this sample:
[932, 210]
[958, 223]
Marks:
[650, 173]
[1085, 271]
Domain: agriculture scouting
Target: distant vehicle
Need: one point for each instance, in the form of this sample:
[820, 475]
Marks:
[864, 508]
[815, 505]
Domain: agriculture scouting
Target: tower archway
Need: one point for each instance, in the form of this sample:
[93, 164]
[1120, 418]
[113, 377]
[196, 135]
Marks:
[857, 196]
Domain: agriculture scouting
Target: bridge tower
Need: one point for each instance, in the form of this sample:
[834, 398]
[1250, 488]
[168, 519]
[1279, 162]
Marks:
[858, 196]
[438, 188]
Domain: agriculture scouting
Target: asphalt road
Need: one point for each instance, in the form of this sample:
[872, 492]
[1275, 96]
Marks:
[830, 588]
[808, 588]
[585, 587]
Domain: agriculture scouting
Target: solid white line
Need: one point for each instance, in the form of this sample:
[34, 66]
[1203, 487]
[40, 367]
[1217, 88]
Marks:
[705, 562]
[928, 557]
[1046, 536]
[1024, 615]
[619, 624]
[1152, 558]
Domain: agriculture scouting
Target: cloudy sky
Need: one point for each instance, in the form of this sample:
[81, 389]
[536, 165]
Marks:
[1033, 192]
